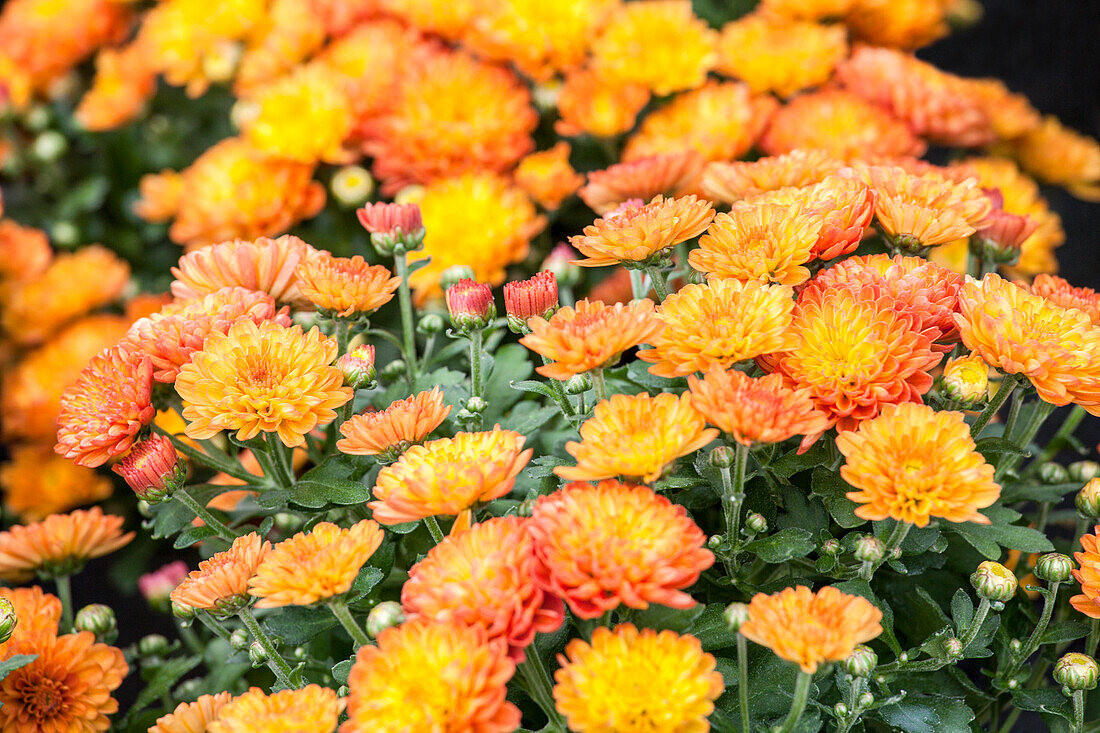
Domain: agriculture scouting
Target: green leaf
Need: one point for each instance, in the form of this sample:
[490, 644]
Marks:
[527, 417]
[792, 463]
[927, 715]
[833, 489]
[1042, 701]
[860, 587]
[530, 385]
[962, 609]
[166, 675]
[711, 629]
[1014, 492]
[659, 617]
[316, 494]
[996, 444]
[1063, 631]
[782, 546]
[171, 517]
[1012, 536]
[192, 535]
[341, 670]
[15, 662]
[298, 624]
[364, 583]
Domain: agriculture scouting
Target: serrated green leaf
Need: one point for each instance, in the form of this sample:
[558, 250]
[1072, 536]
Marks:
[528, 417]
[298, 624]
[995, 444]
[192, 535]
[782, 546]
[341, 670]
[1042, 701]
[833, 489]
[663, 617]
[1012, 536]
[14, 662]
[1064, 631]
[316, 494]
[364, 583]
[927, 715]
[711, 629]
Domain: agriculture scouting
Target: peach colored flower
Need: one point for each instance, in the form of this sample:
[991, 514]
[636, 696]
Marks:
[593, 103]
[729, 182]
[668, 174]
[765, 242]
[390, 432]
[267, 265]
[220, 585]
[774, 54]
[60, 544]
[547, 177]
[752, 410]
[635, 232]
[345, 286]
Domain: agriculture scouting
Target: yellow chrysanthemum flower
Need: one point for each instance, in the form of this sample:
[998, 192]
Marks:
[670, 174]
[719, 324]
[751, 410]
[912, 463]
[816, 10]
[769, 243]
[37, 482]
[634, 681]
[637, 436]
[1062, 156]
[547, 177]
[776, 55]
[220, 585]
[311, 709]
[124, 82]
[904, 24]
[448, 18]
[635, 232]
[730, 182]
[295, 29]
[261, 378]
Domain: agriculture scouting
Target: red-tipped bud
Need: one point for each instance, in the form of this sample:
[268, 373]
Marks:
[1001, 238]
[471, 305]
[357, 366]
[523, 299]
[152, 468]
[156, 587]
[393, 227]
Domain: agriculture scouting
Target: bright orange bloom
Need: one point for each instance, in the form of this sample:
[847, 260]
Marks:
[102, 413]
[729, 182]
[24, 251]
[637, 436]
[191, 717]
[912, 463]
[449, 475]
[672, 62]
[267, 265]
[451, 20]
[314, 566]
[1010, 114]
[485, 576]
[841, 124]
[670, 175]
[220, 585]
[1021, 333]
[390, 432]
[719, 324]
[936, 105]
[904, 24]
[547, 177]
[34, 309]
[818, 10]
[60, 544]
[310, 709]
[591, 336]
[720, 121]
[592, 103]
[477, 219]
[846, 207]
[610, 544]
[855, 353]
[635, 233]
[231, 190]
[452, 115]
[345, 285]
[294, 30]
[1062, 156]
[1060, 292]
[39, 614]
[810, 628]
[1088, 575]
[170, 336]
[672, 683]
[751, 410]
[124, 82]
[425, 675]
[773, 54]
[37, 482]
[769, 243]
[262, 378]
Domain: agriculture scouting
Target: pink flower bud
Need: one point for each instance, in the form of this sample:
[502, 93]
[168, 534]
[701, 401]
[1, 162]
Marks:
[537, 296]
[471, 305]
[152, 468]
[393, 226]
[157, 586]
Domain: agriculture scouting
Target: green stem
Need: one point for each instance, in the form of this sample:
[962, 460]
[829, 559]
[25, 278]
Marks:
[1039, 416]
[733, 495]
[341, 336]
[659, 284]
[1008, 384]
[536, 681]
[281, 460]
[275, 661]
[212, 624]
[974, 264]
[897, 536]
[475, 363]
[433, 528]
[340, 610]
[599, 384]
[1013, 413]
[219, 527]
[637, 283]
[190, 638]
[1050, 599]
[798, 704]
[743, 681]
[1093, 638]
[1068, 428]
[976, 624]
[65, 593]
[401, 265]
[1078, 722]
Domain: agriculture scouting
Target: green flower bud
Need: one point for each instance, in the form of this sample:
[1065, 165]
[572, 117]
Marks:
[357, 366]
[953, 648]
[861, 662]
[1076, 671]
[1053, 473]
[866, 700]
[182, 612]
[239, 640]
[831, 548]
[1088, 500]
[98, 619]
[870, 549]
[722, 457]
[715, 541]
[755, 523]
[736, 614]
[994, 582]
[476, 405]
[1084, 470]
[49, 146]
[578, 384]
[257, 654]
[153, 645]
[840, 710]
[65, 234]
[8, 620]
[393, 370]
[453, 274]
[1054, 567]
[383, 616]
[430, 324]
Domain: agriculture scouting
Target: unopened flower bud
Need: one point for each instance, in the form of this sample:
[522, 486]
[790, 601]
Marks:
[578, 384]
[524, 299]
[455, 274]
[1053, 473]
[98, 619]
[953, 648]
[966, 380]
[715, 541]
[8, 620]
[1054, 567]
[526, 508]
[866, 700]
[840, 710]
[64, 234]
[49, 146]
[870, 549]
[393, 370]
[1084, 470]
[383, 616]
[1000, 239]
[560, 262]
[1015, 645]
[1076, 671]
[430, 324]
[471, 305]
[257, 654]
[476, 404]
[1088, 500]
[352, 185]
[182, 612]
[357, 366]
[152, 468]
[156, 587]
[239, 640]
[722, 457]
[393, 228]
[831, 548]
[861, 662]
[994, 582]
[343, 691]
[755, 523]
[153, 645]
[736, 614]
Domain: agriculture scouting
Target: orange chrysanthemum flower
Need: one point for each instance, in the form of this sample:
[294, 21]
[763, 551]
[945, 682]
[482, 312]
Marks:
[637, 436]
[311, 709]
[477, 219]
[345, 285]
[670, 174]
[485, 576]
[1062, 156]
[818, 10]
[314, 566]
[591, 336]
[810, 628]
[170, 336]
[766, 242]
[267, 265]
[451, 20]
[774, 54]
[634, 681]
[453, 114]
[729, 182]
[720, 121]
[855, 353]
[37, 482]
[593, 103]
[755, 410]
[449, 475]
[841, 124]
[1088, 575]
[390, 432]
[294, 30]
[1021, 333]
[191, 717]
[231, 190]
[937, 106]
[262, 378]
[60, 544]
[1010, 114]
[124, 82]
[220, 585]
[844, 204]
[718, 324]
[24, 251]
[672, 62]
[425, 675]
[102, 413]
[904, 24]
[610, 544]
[1060, 292]
[34, 309]
[547, 177]
[39, 615]
[636, 233]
